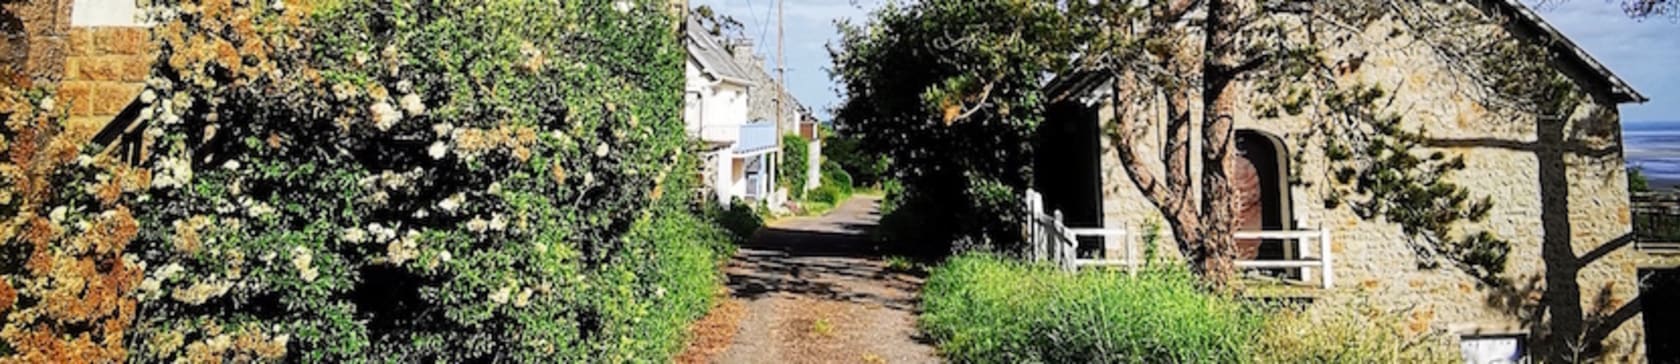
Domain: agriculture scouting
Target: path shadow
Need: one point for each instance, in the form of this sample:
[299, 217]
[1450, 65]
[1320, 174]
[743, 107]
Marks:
[829, 258]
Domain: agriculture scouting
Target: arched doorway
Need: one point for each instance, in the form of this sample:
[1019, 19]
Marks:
[1259, 177]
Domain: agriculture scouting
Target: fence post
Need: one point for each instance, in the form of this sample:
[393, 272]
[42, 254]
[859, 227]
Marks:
[1131, 253]
[1324, 252]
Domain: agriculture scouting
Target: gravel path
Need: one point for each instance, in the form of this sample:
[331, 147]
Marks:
[811, 291]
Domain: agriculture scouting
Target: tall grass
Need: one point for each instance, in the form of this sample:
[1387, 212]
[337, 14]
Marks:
[987, 309]
[982, 308]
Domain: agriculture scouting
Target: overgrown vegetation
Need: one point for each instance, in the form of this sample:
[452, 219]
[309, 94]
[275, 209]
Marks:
[346, 180]
[65, 284]
[791, 173]
[948, 91]
[990, 309]
[987, 309]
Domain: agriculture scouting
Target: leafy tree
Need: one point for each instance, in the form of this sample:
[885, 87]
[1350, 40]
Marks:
[948, 90]
[1637, 182]
[1272, 53]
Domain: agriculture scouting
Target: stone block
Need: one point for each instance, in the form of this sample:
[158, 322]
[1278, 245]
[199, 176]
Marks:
[110, 98]
[77, 96]
[122, 40]
[81, 42]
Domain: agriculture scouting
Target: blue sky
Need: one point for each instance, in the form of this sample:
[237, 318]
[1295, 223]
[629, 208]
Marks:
[1642, 52]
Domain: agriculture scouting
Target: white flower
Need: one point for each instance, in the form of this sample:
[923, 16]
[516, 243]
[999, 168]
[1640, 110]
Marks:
[405, 87]
[384, 116]
[302, 259]
[478, 225]
[523, 299]
[411, 103]
[231, 165]
[621, 6]
[278, 5]
[355, 235]
[438, 150]
[148, 96]
[47, 103]
[149, 286]
[495, 188]
[381, 233]
[169, 271]
[497, 223]
[442, 128]
[57, 214]
[452, 203]
[501, 295]
[445, 256]
[602, 150]
[260, 209]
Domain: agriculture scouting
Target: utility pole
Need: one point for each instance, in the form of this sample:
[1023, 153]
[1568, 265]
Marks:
[781, 87]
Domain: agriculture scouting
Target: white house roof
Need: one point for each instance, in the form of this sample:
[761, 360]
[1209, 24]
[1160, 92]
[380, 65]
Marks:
[713, 57]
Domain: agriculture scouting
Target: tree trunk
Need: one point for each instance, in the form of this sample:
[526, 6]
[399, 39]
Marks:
[1220, 63]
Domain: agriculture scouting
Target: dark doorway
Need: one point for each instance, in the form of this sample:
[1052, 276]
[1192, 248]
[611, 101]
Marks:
[1659, 294]
[1067, 167]
[1257, 176]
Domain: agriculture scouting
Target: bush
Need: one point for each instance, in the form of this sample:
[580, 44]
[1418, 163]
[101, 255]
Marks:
[1350, 334]
[830, 195]
[986, 309]
[65, 286]
[792, 172]
[740, 219]
[412, 181]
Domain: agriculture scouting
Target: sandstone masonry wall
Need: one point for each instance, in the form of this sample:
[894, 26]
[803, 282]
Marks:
[1559, 190]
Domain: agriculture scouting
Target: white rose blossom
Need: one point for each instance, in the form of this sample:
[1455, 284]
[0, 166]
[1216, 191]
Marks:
[438, 150]
[385, 116]
[412, 104]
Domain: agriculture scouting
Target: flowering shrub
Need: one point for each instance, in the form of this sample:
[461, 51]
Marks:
[407, 180]
[64, 281]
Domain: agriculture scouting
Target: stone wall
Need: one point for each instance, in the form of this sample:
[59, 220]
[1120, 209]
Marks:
[1560, 198]
[105, 70]
[35, 40]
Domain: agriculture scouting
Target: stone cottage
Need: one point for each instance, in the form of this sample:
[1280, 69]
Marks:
[1559, 189]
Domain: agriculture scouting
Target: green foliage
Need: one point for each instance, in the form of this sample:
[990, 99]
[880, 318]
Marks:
[740, 219]
[1637, 181]
[792, 172]
[868, 169]
[986, 309]
[417, 181]
[949, 92]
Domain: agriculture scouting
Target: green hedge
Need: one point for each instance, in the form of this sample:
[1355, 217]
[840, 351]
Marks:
[415, 181]
[795, 161]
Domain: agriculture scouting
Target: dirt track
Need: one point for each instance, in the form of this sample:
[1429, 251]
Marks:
[809, 290]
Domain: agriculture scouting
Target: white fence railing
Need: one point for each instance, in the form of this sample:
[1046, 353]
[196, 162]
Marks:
[1051, 239]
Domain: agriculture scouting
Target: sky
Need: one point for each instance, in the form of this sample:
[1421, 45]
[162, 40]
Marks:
[1644, 53]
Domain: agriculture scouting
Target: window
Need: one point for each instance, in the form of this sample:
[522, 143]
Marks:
[1493, 349]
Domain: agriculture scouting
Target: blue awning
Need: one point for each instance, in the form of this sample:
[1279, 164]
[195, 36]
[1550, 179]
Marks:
[756, 137]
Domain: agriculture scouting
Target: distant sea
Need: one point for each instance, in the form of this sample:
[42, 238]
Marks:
[1654, 147]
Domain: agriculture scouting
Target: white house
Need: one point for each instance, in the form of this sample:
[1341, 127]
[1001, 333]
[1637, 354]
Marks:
[738, 161]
